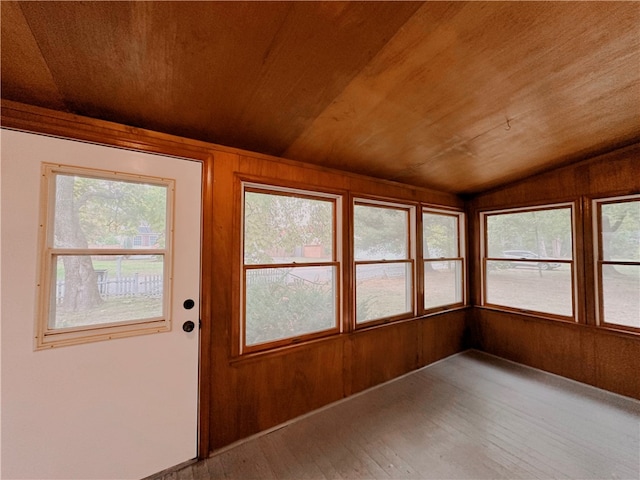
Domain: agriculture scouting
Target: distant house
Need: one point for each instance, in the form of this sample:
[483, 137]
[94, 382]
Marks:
[145, 238]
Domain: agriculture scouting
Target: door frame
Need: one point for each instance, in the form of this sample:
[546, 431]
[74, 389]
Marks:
[27, 118]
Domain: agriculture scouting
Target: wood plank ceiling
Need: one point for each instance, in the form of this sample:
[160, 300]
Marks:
[460, 97]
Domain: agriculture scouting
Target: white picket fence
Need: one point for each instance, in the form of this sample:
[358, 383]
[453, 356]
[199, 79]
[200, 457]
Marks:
[129, 286]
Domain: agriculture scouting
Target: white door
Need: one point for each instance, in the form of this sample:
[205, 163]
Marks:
[111, 409]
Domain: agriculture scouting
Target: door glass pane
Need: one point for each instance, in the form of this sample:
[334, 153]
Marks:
[289, 302]
[440, 235]
[525, 286]
[621, 292]
[93, 290]
[442, 283]
[380, 233]
[383, 290]
[105, 213]
[287, 229]
[621, 231]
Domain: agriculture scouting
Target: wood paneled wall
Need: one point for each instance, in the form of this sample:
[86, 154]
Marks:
[253, 393]
[582, 351]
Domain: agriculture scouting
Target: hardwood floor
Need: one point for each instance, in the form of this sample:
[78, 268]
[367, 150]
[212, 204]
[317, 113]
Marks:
[468, 416]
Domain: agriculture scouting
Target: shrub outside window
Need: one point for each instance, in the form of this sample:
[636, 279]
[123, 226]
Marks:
[617, 243]
[384, 260]
[96, 281]
[443, 258]
[528, 260]
[291, 266]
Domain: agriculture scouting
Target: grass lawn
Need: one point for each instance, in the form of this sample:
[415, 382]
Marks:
[142, 265]
[117, 309]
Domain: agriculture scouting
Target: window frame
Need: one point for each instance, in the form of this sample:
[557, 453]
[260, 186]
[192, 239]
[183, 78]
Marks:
[573, 262]
[599, 262]
[47, 337]
[337, 263]
[411, 210]
[461, 246]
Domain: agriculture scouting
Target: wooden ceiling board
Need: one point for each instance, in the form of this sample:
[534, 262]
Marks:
[456, 96]
[235, 73]
[317, 50]
[25, 75]
[93, 53]
[436, 113]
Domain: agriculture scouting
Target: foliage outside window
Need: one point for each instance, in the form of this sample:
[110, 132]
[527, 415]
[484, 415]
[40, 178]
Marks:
[443, 258]
[528, 260]
[384, 264]
[96, 281]
[617, 234]
[291, 264]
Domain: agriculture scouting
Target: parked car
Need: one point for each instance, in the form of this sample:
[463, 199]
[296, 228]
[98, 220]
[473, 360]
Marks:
[527, 255]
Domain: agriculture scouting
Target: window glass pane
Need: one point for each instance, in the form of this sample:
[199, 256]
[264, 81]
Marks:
[380, 233]
[621, 292]
[287, 229]
[621, 231]
[529, 287]
[93, 290]
[440, 235]
[103, 213]
[383, 290]
[442, 283]
[542, 233]
[289, 302]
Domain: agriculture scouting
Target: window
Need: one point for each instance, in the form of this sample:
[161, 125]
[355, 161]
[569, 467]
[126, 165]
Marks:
[92, 284]
[442, 246]
[384, 265]
[617, 244]
[291, 266]
[528, 260]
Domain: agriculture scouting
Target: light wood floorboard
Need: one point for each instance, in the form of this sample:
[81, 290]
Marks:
[470, 416]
